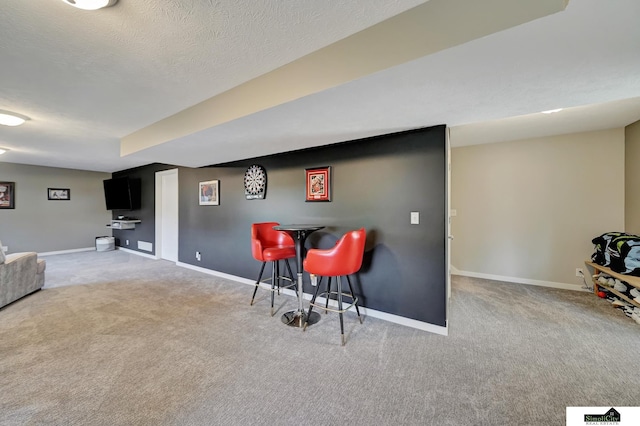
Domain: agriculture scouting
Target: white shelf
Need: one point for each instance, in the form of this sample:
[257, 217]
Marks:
[124, 224]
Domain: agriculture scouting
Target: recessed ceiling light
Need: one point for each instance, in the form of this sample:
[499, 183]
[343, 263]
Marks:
[3, 150]
[551, 111]
[9, 118]
[91, 4]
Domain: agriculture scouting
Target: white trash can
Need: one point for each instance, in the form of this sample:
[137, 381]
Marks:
[105, 243]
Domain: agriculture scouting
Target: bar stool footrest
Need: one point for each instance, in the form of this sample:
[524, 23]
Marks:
[266, 280]
[325, 295]
[268, 286]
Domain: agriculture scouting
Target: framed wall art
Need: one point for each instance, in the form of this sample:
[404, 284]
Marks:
[318, 184]
[7, 195]
[63, 194]
[208, 193]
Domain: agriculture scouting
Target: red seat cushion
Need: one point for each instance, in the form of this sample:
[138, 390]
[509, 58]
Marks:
[278, 253]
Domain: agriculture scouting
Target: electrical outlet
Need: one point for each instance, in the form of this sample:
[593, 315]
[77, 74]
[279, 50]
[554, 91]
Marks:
[127, 242]
[5, 248]
[198, 256]
[579, 272]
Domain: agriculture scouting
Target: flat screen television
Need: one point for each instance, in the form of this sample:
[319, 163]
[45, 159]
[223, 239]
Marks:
[121, 194]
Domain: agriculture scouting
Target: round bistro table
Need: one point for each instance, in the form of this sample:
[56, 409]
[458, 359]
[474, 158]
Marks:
[299, 233]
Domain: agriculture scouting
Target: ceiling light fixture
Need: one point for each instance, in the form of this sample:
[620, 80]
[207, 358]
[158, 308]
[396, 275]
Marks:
[9, 118]
[3, 150]
[551, 111]
[91, 4]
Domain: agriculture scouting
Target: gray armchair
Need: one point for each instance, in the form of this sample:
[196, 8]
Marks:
[20, 274]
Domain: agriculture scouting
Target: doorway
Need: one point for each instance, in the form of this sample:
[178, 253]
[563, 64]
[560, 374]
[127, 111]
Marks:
[167, 215]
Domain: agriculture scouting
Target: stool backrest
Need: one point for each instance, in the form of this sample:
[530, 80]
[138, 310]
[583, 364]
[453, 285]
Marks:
[344, 258]
[264, 236]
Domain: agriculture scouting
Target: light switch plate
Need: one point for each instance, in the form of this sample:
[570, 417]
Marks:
[415, 218]
[453, 212]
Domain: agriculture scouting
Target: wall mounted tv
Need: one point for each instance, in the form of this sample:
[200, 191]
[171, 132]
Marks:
[122, 193]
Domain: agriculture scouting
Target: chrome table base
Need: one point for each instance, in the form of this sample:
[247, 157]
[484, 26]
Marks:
[297, 319]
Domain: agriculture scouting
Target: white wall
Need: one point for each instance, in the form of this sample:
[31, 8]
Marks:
[632, 178]
[41, 225]
[528, 209]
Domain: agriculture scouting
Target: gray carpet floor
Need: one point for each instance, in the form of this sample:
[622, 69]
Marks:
[118, 339]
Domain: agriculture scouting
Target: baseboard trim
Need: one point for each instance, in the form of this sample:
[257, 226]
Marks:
[396, 319]
[150, 256]
[51, 253]
[218, 274]
[517, 280]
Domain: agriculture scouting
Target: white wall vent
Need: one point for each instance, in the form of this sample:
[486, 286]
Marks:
[143, 245]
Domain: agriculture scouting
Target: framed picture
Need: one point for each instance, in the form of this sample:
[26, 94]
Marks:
[7, 195]
[63, 194]
[208, 193]
[318, 184]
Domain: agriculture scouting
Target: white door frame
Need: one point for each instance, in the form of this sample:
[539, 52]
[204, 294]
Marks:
[158, 208]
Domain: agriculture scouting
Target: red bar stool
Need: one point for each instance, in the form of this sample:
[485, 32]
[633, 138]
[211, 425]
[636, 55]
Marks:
[343, 259]
[269, 245]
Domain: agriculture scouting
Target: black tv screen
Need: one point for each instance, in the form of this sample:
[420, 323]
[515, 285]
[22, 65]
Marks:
[117, 194]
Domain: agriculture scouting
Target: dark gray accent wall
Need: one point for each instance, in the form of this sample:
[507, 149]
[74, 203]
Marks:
[377, 183]
[145, 231]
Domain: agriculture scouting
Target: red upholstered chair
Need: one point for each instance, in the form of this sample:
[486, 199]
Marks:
[343, 259]
[269, 245]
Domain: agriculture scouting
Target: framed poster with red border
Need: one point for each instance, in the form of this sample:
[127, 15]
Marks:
[318, 184]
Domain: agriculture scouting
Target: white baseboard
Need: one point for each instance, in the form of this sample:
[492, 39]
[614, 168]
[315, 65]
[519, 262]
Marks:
[218, 274]
[150, 256]
[517, 280]
[51, 253]
[408, 322]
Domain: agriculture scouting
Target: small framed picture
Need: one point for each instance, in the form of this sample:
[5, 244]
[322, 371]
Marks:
[63, 194]
[7, 195]
[318, 184]
[209, 193]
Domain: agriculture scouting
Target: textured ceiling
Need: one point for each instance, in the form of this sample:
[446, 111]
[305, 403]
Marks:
[90, 79]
